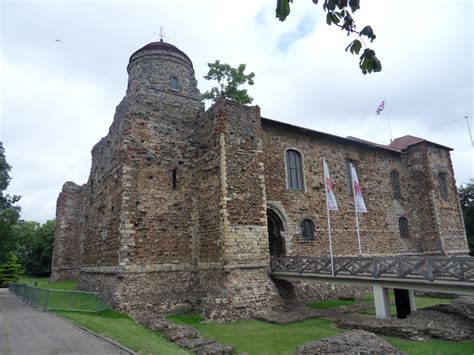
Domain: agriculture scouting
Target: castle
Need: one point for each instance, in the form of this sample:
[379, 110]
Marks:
[184, 206]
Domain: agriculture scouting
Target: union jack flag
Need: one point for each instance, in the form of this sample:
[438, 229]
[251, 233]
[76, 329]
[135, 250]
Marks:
[381, 107]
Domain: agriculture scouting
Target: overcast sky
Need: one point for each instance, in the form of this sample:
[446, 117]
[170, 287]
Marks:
[58, 98]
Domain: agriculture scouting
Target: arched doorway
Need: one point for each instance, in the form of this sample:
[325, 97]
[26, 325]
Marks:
[276, 242]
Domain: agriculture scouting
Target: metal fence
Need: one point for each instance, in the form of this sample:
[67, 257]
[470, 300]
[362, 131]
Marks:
[61, 300]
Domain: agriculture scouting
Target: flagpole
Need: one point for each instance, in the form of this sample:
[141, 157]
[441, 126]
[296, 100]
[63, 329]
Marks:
[390, 130]
[469, 130]
[329, 224]
[358, 232]
[389, 125]
[355, 208]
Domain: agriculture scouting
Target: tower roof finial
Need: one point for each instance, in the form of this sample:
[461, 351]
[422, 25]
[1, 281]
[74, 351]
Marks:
[162, 34]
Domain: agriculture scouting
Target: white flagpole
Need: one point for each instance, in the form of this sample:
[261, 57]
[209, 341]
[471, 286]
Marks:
[329, 224]
[390, 130]
[355, 207]
[389, 125]
[469, 130]
[358, 232]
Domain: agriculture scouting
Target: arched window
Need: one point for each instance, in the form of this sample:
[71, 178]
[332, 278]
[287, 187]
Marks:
[403, 225]
[443, 188]
[294, 170]
[395, 184]
[174, 83]
[307, 229]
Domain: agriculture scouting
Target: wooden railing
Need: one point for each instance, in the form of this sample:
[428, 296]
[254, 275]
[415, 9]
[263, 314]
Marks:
[431, 268]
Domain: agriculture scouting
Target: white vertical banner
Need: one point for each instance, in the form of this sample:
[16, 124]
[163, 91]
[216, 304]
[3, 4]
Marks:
[330, 197]
[358, 199]
[359, 203]
[331, 205]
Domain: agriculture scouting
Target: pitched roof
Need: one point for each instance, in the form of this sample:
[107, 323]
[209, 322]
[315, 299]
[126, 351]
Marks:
[399, 145]
[402, 143]
[377, 145]
[348, 140]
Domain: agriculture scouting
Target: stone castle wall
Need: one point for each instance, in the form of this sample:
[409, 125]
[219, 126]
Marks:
[379, 228]
[67, 261]
[174, 214]
[446, 209]
[243, 282]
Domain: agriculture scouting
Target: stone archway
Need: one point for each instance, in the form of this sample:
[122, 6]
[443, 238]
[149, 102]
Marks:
[276, 241]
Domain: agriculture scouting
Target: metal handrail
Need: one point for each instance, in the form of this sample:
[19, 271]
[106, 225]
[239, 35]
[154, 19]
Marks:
[431, 268]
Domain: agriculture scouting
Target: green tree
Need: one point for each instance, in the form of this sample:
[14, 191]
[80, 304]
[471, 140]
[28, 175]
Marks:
[9, 270]
[9, 213]
[34, 246]
[466, 198]
[339, 13]
[228, 79]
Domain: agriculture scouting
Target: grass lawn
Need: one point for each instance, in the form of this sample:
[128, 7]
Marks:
[251, 336]
[57, 298]
[114, 325]
[32, 280]
[257, 337]
[421, 302]
[433, 346]
[121, 328]
[331, 304]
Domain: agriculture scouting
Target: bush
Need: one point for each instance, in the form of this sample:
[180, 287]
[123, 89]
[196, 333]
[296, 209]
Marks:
[9, 271]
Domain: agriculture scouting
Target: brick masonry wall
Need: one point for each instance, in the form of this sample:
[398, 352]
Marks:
[103, 197]
[174, 213]
[447, 213]
[420, 187]
[157, 217]
[244, 284]
[245, 222]
[66, 261]
[379, 230]
[103, 280]
[208, 191]
[157, 292]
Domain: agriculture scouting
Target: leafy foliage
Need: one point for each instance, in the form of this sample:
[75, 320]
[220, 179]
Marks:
[9, 213]
[34, 246]
[466, 199]
[339, 13]
[9, 271]
[228, 80]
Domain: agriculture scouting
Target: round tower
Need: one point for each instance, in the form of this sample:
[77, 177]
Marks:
[162, 68]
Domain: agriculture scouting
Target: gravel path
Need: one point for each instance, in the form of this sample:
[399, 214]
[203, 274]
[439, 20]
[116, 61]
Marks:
[25, 330]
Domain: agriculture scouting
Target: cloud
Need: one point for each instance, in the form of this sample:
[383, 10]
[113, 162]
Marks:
[59, 99]
[50, 121]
